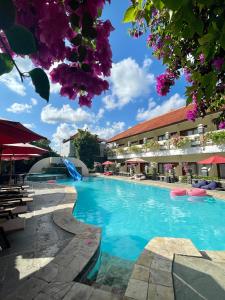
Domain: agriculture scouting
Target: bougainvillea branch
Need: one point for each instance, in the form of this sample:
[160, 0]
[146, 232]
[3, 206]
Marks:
[189, 37]
[64, 36]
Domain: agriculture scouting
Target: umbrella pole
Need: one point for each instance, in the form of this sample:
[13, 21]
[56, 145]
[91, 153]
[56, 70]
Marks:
[1, 162]
[218, 171]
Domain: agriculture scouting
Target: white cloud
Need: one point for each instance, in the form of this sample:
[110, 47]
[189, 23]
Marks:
[34, 101]
[67, 114]
[109, 130]
[29, 125]
[147, 63]
[18, 108]
[128, 81]
[154, 109]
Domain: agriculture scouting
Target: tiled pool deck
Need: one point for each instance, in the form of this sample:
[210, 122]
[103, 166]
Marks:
[54, 248]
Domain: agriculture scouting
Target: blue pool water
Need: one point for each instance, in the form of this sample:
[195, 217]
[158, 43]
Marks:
[130, 214]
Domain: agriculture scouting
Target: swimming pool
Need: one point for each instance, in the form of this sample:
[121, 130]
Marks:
[130, 214]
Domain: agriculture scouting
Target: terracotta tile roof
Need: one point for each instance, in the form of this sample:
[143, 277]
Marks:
[169, 118]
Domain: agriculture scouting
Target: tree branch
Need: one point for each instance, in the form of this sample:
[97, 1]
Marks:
[7, 51]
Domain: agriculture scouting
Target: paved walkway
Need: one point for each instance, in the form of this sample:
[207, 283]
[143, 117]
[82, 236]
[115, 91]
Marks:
[50, 253]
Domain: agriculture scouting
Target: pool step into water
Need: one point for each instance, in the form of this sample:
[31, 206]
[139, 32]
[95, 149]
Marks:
[171, 268]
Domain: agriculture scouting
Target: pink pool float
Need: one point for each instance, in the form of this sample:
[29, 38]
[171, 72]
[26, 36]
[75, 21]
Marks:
[178, 192]
[197, 192]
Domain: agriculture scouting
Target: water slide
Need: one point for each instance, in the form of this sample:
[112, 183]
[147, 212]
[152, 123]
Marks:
[72, 170]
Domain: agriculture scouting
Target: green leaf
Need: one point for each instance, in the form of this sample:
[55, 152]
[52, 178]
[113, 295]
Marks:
[130, 14]
[21, 40]
[173, 4]
[206, 39]
[158, 4]
[41, 82]
[7, 14]
[6, 64]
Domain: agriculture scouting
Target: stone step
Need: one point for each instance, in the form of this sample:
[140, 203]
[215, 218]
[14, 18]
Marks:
[85, 292]
[152, 274]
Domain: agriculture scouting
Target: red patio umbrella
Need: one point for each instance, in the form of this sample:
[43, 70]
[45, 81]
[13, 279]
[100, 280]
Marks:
[213, 160]
[15, 132]
[107, 163]
[21, 149]
[18, 157]
[216, 159]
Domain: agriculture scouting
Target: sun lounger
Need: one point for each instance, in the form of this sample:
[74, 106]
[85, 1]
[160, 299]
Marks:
[9, 226]
[15, 201]
[11, 212]
[14, 195]
[138, 177]
[14, 187]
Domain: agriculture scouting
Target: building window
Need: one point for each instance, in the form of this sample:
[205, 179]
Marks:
[173, 134]
[141, 142]
[134, 142]
[189, 132]
[161, 137]
[161, 170]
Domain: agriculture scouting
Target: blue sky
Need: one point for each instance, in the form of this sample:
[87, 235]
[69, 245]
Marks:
[131, 99]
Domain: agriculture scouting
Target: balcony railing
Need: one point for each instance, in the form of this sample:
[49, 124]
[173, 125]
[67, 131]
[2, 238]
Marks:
[185, 145]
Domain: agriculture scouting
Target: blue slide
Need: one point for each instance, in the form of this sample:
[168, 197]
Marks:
[72, 170]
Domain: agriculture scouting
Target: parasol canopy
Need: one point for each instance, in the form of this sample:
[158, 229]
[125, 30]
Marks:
[136, 161]
[17, 157]
[21, 149]
[107, 163]
[15, 132]
[216, 159]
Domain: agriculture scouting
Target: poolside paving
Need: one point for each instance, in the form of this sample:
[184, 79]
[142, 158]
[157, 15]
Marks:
[50, 253]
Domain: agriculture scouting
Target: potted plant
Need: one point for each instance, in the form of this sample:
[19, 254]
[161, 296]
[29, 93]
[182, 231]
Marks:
[169, 171]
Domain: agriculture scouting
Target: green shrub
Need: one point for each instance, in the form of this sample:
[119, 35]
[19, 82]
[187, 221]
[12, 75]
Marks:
[217, 137]
[180, 142]
[134, 149]
[151, 145]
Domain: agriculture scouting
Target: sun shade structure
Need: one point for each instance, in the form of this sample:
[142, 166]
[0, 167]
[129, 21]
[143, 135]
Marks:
[21, 149]
[136, 161]
[107, 163]
[15, 132]
[18, 157]
[216, 159]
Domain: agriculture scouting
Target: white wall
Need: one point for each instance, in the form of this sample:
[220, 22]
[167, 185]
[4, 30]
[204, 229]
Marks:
[45, 163]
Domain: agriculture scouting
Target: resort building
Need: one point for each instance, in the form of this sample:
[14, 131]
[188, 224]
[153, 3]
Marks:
[171, 138]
